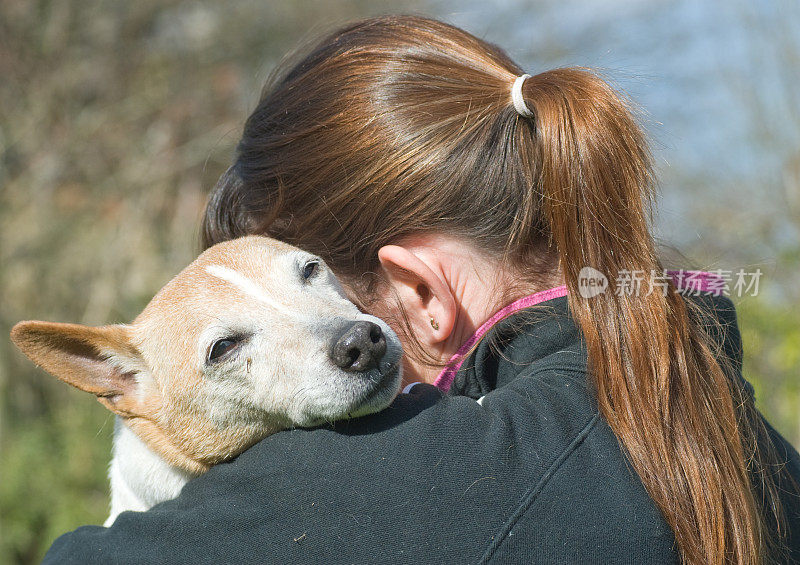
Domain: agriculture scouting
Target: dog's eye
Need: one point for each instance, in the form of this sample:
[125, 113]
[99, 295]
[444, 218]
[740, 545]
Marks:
[310, 268]
[221, 347]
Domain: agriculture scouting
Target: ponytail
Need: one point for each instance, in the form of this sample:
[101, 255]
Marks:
[672, 407]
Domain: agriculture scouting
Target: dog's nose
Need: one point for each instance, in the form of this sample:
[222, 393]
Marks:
[359, 348]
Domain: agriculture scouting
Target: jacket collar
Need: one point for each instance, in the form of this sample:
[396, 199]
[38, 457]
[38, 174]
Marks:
[445, 378]
[544, 336]
[538, 337]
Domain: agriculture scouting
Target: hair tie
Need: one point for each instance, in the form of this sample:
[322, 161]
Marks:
[518, 99]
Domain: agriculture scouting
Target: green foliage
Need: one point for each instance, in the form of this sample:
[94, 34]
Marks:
[54, 476]
[771, 339]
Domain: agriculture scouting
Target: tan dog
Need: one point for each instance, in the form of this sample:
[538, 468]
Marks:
[252, 337]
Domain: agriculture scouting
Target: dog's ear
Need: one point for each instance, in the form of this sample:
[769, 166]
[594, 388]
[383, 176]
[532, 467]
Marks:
[99, 360]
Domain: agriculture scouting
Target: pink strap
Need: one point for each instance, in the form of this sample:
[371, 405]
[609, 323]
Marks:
[693, 281]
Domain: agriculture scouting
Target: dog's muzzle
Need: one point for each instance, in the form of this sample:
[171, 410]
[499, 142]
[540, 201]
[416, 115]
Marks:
[359, 348]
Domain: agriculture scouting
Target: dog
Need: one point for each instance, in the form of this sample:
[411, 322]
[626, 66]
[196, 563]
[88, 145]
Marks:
[253, 337]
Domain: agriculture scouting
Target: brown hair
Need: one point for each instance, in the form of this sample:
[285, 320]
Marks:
[399, 125]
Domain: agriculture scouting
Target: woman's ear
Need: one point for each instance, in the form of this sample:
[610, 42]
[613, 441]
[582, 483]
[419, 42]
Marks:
[425, 296]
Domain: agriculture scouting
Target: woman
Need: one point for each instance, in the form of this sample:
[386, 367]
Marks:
[460, 199]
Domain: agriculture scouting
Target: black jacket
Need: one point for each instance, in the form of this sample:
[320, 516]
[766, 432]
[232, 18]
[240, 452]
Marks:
[531, 475]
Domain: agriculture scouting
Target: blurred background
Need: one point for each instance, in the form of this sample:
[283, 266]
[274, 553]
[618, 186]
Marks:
[116, 118]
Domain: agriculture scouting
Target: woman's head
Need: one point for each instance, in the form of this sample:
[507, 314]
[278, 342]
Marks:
[389, 128]
[398, 128]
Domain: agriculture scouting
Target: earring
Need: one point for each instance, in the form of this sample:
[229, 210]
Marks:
[434, 324]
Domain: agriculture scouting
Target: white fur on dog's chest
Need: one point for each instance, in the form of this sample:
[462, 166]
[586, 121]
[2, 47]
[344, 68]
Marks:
[139, 478]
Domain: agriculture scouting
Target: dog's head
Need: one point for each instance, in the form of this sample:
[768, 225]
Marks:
[252, 337]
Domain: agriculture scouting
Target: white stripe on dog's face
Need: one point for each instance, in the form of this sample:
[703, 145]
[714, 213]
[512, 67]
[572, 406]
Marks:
[250, 288]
